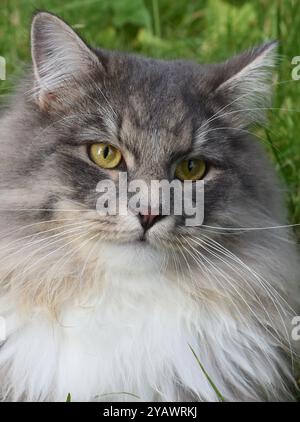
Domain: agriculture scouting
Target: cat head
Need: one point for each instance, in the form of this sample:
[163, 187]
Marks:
[153, 115]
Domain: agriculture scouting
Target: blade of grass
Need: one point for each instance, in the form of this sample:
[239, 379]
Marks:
[275, 153]
[219, 395]
[156, 19]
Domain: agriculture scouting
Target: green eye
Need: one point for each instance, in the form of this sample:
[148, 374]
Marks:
[190, 169]
[105, 155]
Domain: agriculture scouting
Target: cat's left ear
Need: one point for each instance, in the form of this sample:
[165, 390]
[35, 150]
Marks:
[243, 84]
[60, 59]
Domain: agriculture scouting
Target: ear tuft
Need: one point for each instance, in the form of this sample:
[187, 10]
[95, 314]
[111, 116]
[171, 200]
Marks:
[59, 56]
[245, 83]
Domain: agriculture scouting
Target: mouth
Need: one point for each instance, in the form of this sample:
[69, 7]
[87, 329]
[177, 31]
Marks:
[143, 238]
[143, 242]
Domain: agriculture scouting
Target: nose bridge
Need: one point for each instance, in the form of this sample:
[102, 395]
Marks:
[143, 176]
[151, 171]
[154, 150]
[152, 165]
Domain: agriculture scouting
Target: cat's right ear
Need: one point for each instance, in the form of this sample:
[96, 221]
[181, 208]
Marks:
[60, 60]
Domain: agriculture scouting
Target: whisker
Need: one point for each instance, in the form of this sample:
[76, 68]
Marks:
[52, 252]
[259, 277]
[71, 253]
[61, 236]
[8, 233]
[87, 258]
[244, 229]
[227, 277]
[43, 209]
[270, 290]
[36, 234]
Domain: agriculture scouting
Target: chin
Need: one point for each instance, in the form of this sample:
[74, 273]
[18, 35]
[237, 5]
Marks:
[133, 256]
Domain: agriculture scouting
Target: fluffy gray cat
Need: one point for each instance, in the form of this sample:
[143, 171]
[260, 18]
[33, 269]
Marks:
[96, 304]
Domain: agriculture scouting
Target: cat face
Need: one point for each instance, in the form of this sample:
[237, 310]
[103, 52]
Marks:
[155, 114]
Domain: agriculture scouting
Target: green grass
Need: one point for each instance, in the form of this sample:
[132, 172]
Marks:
[202, 30]
[210, 381]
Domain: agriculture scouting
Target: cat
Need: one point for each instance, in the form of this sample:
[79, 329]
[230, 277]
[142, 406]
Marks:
[96, 305]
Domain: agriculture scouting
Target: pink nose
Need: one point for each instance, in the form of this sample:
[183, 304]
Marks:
[147, 219]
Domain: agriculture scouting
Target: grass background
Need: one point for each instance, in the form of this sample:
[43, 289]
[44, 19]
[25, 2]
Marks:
[202, 30]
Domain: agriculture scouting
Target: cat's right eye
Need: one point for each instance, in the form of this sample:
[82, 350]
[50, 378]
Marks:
[105, 156]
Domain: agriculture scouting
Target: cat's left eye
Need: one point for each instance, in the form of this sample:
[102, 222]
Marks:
[105, 155]
[192, 169]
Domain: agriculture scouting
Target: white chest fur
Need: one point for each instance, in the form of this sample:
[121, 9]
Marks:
[133, 338]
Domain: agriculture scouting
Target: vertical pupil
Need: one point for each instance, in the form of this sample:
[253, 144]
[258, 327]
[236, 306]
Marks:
[105, 152]
[190, 165]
